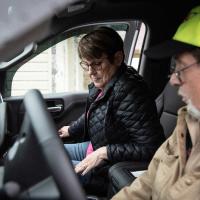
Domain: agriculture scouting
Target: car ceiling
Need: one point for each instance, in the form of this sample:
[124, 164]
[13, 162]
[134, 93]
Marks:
[24, 21]
[49, 18]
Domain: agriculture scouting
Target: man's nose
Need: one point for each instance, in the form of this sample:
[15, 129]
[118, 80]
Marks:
[174, 80]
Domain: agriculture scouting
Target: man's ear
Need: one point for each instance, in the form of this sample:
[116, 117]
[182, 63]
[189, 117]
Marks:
[118, 58]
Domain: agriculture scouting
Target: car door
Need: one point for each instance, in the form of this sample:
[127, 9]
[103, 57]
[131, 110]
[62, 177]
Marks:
[54, 69]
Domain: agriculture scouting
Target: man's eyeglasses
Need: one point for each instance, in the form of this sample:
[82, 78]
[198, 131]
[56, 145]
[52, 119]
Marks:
[97, 66]
[177, 73]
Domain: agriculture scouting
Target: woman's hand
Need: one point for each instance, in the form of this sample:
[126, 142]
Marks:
[63, 132]
[91, 161]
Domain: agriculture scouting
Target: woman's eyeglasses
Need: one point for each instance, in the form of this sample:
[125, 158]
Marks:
[97, 66]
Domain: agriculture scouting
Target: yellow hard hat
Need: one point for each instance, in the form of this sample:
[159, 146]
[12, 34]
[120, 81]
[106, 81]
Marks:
[187, 37]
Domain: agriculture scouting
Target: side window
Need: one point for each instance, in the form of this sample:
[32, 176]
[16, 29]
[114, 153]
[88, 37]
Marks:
[57, 68]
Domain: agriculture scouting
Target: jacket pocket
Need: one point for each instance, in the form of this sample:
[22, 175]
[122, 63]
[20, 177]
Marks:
[187, 187]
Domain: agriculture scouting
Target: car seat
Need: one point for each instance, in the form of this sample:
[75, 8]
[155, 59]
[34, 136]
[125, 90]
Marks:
[167, 104]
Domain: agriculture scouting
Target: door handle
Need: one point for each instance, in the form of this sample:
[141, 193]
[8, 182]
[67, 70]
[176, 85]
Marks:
[55, 109]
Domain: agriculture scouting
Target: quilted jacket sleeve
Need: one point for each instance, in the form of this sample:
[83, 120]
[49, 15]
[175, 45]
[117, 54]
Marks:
[76, 129]
[138, 132]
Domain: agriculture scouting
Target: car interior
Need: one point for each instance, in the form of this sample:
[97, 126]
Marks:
[43, 88]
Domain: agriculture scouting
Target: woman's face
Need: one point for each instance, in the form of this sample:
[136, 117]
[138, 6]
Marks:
[101, 70]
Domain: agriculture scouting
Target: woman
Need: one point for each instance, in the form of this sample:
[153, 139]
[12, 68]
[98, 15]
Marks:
[120, 121]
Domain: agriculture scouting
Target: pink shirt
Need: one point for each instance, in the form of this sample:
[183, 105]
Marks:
[89, 149]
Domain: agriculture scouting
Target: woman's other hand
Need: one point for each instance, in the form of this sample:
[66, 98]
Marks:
[63, 132]
[91, 161]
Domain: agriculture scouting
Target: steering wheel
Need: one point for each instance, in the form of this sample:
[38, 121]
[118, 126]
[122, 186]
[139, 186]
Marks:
[51, 147]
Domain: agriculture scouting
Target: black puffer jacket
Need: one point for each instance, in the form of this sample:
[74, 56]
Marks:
[124, 119]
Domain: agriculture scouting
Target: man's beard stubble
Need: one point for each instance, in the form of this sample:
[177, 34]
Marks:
[193, 111]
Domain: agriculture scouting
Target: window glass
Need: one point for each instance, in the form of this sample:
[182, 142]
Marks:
[57, 69]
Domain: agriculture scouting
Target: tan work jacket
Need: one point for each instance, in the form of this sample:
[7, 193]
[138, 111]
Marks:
[170, 175]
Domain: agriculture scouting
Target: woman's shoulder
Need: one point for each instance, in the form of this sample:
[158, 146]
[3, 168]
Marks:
[132, 74]
[131, 79]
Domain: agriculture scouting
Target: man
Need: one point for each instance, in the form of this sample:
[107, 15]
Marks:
[174, 172]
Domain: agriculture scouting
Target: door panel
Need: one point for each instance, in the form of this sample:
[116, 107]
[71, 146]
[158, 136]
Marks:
[64, 108]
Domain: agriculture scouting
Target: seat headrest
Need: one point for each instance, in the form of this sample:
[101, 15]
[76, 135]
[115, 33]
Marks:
[168, 104]
[172, 101]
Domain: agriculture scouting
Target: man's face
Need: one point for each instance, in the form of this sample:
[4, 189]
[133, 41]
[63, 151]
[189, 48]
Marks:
[102, 70]
[188, 80]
